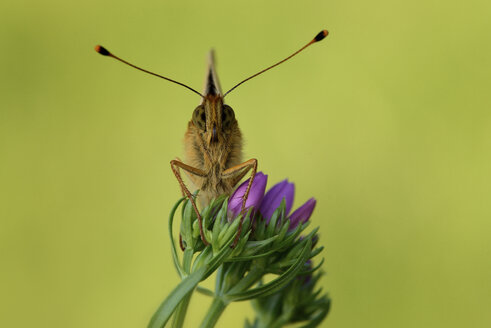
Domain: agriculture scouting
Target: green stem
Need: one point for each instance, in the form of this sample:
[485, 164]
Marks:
[182, 308]
[180, 314]
[216, 309]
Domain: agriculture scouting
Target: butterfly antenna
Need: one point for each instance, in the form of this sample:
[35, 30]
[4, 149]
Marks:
[321, 35]
[103, 51]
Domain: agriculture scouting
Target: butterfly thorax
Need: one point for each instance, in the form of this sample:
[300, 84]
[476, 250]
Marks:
[213, 144]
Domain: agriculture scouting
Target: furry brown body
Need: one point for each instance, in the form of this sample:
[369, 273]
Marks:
[213, 154]
[213, 146]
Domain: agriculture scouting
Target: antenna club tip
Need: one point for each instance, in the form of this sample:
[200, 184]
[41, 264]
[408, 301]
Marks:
[321, 35]
[103, 51]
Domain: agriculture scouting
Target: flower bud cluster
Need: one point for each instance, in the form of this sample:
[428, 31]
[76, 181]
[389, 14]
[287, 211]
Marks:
[272, 242]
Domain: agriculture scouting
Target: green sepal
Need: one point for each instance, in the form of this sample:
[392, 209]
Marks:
[207, 215]
[241, 244]
[208, 234]
[202, 258]
[220, 222]
[224, 229]
[222, 214]
[275, 218]
[232, 229]
[189, 216]
[228, 232]
[260, 229]
[283, 231]
[195, 228]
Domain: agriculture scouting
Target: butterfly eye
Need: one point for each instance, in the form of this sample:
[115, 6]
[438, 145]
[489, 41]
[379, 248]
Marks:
[199, 117]
[228, 116]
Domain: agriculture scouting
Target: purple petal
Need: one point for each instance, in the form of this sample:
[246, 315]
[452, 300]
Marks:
[274, 196]
[256, 194]
[302, 214]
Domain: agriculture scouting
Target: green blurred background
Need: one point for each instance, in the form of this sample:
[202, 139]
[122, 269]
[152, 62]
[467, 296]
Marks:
[387, 123]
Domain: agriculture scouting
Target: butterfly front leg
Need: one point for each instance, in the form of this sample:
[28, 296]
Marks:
[175, 166]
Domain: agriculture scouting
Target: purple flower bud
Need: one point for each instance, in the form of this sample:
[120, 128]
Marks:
[274, 196]
[302, 214]
[256, 194]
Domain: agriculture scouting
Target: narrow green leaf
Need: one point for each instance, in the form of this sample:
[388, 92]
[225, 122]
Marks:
[249, 257]
[205, 291]
[316, 251]
[313, 232]
[187, 259]
[293, 234]
[258, 244]
[175, 257]
[315, 294]
[253, 247]
[314, 269]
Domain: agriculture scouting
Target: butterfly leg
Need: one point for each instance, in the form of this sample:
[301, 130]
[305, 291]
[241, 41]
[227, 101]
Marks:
[175, 166]
[191, 177]
[237, 173]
